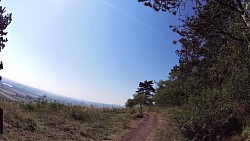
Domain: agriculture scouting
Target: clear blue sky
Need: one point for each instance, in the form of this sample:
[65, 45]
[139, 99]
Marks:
[97, 50]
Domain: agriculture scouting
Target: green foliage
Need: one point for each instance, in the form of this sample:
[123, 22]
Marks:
[130, 103]
[211, 81]
[143, 95]
[140, 98]
[218, 97]
[168, 93]
[211, 116]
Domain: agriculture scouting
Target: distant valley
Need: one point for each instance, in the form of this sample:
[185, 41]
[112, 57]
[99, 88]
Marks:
[14, 91]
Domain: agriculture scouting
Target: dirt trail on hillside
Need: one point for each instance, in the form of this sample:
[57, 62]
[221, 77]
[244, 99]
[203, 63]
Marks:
[142, 130]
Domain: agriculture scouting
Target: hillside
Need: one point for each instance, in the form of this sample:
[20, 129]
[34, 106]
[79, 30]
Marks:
[14, 91]
[46, 121]
[55, 121]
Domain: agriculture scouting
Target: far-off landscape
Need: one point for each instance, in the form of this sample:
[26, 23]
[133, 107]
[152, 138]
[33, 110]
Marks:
[137, 70]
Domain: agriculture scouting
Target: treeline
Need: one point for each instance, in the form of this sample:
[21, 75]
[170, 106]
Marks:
[211, 82]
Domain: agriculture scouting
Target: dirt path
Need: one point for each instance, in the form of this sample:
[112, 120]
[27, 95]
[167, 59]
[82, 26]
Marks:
[142, 130]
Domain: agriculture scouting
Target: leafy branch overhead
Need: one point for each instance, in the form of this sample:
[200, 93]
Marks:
[226, 9]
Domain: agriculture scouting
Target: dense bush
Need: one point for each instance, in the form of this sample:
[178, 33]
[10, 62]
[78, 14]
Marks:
[168, 93]
[211, 117]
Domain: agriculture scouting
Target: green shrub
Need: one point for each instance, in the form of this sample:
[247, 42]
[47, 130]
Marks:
[211, 116]
[169, 93]
[83, 114]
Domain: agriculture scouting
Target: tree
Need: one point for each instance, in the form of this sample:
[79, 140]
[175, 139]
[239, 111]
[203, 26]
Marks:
[147, 90]
[5, 20]
[142, 97]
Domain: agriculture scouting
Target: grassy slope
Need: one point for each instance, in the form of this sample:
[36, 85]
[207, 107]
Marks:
[55, 121]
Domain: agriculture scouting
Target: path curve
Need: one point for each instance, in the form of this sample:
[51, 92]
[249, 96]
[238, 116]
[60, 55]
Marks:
[142, 130]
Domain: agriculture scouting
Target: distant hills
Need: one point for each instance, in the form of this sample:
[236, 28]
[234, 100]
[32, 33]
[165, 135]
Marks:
[14, 91]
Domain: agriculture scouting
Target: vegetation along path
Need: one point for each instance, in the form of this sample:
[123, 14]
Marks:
[142, 130]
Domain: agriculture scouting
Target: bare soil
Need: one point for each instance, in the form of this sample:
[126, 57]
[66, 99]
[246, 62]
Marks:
[140, 133]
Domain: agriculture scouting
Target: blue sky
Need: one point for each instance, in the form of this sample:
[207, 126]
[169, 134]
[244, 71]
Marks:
[97, 50]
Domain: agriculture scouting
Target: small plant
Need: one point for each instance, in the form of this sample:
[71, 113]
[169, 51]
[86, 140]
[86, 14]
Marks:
[31, 124]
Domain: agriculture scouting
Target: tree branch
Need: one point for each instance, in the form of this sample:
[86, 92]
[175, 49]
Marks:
[229, 6]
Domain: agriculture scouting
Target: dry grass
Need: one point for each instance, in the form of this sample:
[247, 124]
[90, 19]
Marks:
[45, 121]
[54, 121]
